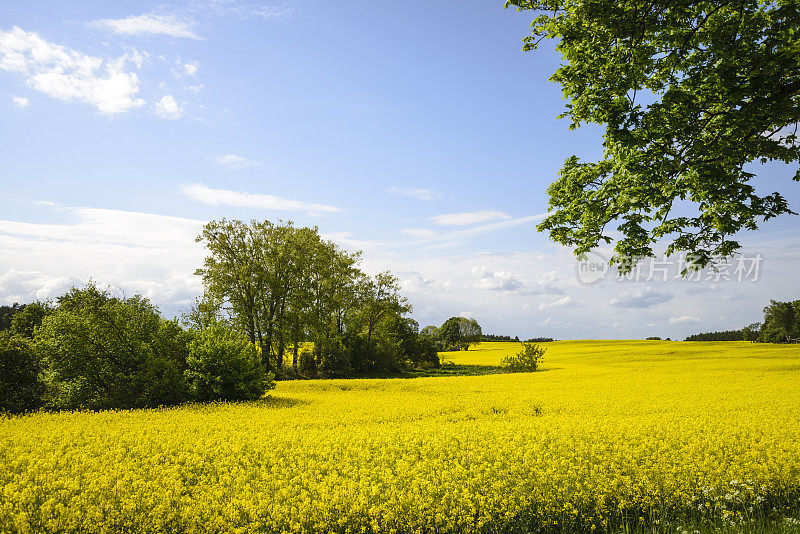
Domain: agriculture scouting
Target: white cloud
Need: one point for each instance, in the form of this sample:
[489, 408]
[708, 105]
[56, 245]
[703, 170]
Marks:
[168, 108]
[416, 192]
[346, 240]
[26, 286]
[191, 68]
[154, 255]
[495, 280]
[487, 279]
[232, 161]
[640, 298]
[20, 101]
[222, 197]
[419, 233]
[467, 218]
[455, 237]
[269, 12]
[149, 23]
[683, 319]
[70, 75]
[558, 303]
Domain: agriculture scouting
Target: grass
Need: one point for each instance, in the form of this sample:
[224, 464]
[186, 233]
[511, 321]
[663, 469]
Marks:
[612, 436]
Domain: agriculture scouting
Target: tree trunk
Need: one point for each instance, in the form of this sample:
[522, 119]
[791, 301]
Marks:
[296, 343]
[281, 347]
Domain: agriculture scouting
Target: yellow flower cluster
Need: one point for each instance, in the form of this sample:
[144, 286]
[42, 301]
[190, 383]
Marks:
[607, 433]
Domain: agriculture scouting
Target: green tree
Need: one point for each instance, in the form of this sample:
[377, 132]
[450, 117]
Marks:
[689, 92]
[7, 313]
[225, 365]
[782, 321]
[105, 352]
[471, 332]
[204, 312]
[458, 333]
[450, 334]
[29, 318]
[430, 332]
[380, 297]
[20, 386]
[231, 274]
[751, 332]
[283, 286]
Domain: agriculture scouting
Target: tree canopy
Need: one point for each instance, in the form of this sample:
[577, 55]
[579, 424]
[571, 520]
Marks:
[690, 92]
[284, 286]
[458, 333]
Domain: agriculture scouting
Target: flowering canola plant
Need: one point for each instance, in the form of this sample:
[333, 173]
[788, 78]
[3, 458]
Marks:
[608, 433]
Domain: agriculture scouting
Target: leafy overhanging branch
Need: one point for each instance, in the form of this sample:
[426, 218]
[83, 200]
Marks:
[722, 88]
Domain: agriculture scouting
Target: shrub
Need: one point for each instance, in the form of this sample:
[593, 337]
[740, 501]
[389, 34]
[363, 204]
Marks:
[20, 387]
[165, 373]
[103, 352]
[526, 360]
[336, 359]
[427, 350]
[224, 365]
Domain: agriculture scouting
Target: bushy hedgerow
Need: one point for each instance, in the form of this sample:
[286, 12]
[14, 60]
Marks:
[20, 386]
[105, 352]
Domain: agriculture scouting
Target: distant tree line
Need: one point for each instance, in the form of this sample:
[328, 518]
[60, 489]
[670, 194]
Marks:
[781, 324]
[496, 337]
[727, 335]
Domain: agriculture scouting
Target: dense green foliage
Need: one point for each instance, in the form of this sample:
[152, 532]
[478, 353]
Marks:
[781, 322]
[224, 365]
[106, 352]
[727, 335]
[93, 350]
[29, 318]
[284, 287]
[690, 92]
[20, 387]
[526, 360]
[7, 313]
[781, 325]
[458, 333]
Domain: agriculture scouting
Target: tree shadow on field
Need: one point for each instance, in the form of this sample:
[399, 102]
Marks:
[279, 402]
[457, 369]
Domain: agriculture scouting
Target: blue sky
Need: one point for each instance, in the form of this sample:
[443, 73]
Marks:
[420, 134]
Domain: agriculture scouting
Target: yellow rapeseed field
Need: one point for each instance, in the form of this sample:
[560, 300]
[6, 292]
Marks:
[608, 433]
